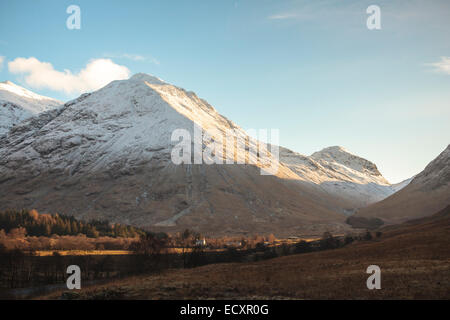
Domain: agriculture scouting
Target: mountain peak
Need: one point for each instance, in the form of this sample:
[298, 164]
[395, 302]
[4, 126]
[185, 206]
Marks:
[22, 92]
[18, 104]
[147, 77]
[339, 155]
[332, 152]
[334, 149]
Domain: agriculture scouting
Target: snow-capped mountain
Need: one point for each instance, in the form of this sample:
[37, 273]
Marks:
[342, 174]
[107, 154]
[126, 122]
[18, 104]
[427, 193]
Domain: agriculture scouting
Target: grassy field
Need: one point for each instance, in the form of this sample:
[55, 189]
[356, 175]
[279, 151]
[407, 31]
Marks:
[46, 253]
[414, 261]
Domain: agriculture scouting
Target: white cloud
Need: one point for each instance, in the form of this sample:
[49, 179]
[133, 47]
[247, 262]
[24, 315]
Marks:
[283, 16]
[133, 57]
[442, 66]
[96, 74]
[1, 62]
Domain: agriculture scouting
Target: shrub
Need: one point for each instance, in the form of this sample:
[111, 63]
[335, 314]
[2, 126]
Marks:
[302, 247]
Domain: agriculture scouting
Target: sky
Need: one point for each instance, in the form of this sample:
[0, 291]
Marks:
[312, 69]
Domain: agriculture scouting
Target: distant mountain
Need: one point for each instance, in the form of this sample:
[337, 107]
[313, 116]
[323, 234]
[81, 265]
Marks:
[427, 193]
[341, 174]
[18, 104]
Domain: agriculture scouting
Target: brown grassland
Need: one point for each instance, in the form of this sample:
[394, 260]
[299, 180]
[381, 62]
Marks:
[414, 259]
[46, 253]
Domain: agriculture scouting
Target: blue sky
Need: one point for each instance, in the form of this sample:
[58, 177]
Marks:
[310, 68]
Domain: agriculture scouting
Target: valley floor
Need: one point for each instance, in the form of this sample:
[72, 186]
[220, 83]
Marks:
[414, 261]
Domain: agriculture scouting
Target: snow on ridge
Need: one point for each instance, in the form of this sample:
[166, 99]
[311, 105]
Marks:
[18, 104]
[147, 77]
[398, 186]
[8, 86]
[322, 166]
[341, 156]
[341, 173]
[127, 122]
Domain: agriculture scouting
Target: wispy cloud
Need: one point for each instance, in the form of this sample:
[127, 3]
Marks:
[96, 74]
[2, 59]
[133, 57]
[284, 16]
[315, 11]
[441, 66]
[399, 13]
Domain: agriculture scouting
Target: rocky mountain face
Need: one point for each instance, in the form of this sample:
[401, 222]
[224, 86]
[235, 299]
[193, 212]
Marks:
[18, 104]
[427, 193]
[337, 172]
[108, 154]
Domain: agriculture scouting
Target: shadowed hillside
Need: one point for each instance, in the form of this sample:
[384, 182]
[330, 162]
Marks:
[428, 192]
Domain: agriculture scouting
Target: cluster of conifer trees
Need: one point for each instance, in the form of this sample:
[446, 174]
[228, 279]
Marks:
[37, 224]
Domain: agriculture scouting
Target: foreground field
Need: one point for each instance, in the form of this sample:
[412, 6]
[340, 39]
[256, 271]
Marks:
[46, 253]
[414, 261]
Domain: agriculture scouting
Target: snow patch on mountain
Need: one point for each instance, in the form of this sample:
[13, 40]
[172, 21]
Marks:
[399, 186]
[18, 104]
[340, 173]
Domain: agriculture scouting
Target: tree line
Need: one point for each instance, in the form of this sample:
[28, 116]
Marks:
[33, 223]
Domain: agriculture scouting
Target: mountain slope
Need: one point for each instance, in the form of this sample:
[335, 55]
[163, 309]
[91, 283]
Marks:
[18, 104]
[108, 154]
[399, 186]
[428, 192]
[337, 172]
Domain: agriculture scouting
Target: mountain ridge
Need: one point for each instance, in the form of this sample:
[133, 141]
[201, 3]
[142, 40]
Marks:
[428, 191]
[18, 104]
